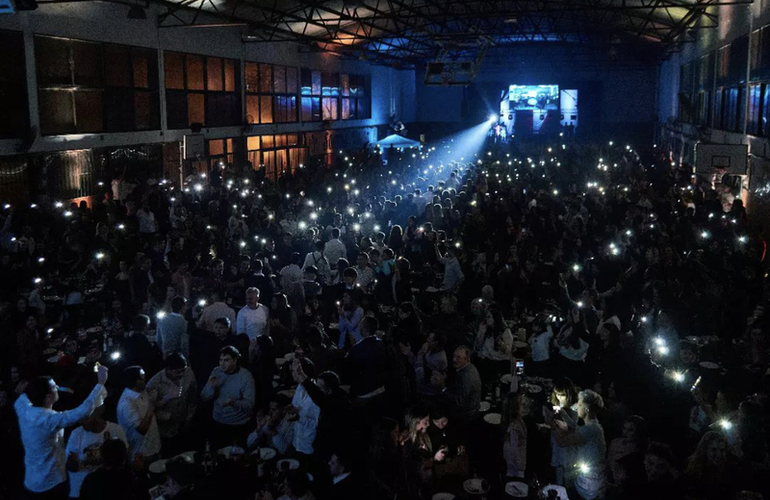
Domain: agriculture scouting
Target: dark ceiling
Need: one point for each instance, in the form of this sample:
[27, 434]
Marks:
[409, 32]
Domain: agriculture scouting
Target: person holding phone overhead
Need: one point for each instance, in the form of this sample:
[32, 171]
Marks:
[42, 433]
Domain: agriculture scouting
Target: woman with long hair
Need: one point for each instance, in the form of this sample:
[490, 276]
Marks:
[588, 443]
[564, 396]
[416, 422]
[515, 443]
[395, 240]
[712, 471]
[633, 441]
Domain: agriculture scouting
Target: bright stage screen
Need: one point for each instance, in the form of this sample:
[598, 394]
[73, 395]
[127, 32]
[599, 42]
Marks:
[534, 97]
[530, 109]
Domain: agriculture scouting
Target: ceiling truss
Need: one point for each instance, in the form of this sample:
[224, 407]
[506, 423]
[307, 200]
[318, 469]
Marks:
[409, 32]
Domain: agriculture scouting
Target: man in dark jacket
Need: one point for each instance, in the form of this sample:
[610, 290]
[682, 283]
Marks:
[366, 367]
[334, 423]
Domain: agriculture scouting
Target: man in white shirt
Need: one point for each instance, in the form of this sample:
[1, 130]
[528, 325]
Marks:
[291, 274]
[319, 261]
[252, 318]
[307, 412]
[83, 447]
[147, 224]
[212, 312]
[137, 417]
[334, 249]
[42, 433]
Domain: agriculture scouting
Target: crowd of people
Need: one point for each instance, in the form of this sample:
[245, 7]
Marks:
[563, 321]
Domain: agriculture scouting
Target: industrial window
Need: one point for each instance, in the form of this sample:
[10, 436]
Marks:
[14, 114]
[220, 150]
[271, 93]
[355, 97]
[87, 87]
[756, 92]
[331, 96]
[201, 89]
[276, 154]
[310, 88]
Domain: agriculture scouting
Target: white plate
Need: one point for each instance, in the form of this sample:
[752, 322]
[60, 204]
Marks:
[484, 406]
[265, 453]
[293, 464]
[517, 489]
[188, 454]
[431, 289]
[158, 466]
[561, 491]
[231, 451]
[709, 365]
[474, 486]
[443, 496]
[493, 418]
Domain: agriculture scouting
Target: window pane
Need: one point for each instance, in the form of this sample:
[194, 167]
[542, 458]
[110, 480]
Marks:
[89, 111]
[291, 80]
[88, 63]
[56, 112]
[214, 73]
[329, 84]
[268, 157]
[279, 79]
[291, 110]
[316, 83]
[265, 78]
[252, 143]
[329, 108]
[174, 70]
[345, 84]
[216, 147]
[345, 109]
[306, 82]
[268, 142]
[116, 64]
[363, 112]
[291, 139]
[144, 106]
[52, 57]
[766, 109]
[229, 75]
[176, 109]
[316, 103]
[141, 70]
[252, 77]
[119, 104]
[252, 109]
[194, 72]
[195, 109]
[307, 112]
[266, 109]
